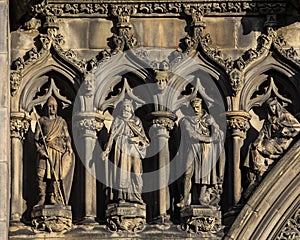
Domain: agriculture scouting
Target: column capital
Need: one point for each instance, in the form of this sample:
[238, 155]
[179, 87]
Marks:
[238, 123]
[19, 124]
[164, 119]
[89, 121]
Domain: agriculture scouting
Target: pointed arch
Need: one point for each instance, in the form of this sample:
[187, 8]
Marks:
[109, 74]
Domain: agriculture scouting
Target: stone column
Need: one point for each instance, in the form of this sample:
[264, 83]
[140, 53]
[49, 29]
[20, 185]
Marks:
[237, 124]
[163, 122]
[89, 123]
[4, 119]
[19, 125]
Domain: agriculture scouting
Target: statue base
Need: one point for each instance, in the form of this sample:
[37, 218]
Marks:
[130, 217]
[52, 218]
[204, 220]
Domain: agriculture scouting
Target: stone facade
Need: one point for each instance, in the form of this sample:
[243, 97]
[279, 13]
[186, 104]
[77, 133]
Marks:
[239, 57]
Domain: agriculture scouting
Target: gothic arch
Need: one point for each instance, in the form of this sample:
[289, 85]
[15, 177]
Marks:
[109, 73]
[255, 76]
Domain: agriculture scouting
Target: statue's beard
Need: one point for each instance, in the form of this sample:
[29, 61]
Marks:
[126, 114]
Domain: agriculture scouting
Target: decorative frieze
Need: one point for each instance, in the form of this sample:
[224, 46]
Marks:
[104, 8]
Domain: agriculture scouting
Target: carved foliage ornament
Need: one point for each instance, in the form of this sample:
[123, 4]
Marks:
[291, 229]
[19, 127]
[238, 123]
[171, 8]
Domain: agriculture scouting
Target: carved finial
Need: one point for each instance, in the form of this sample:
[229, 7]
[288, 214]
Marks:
[126, 36]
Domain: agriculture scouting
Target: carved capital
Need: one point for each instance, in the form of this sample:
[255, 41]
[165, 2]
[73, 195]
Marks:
[164, 119]
[89, 121]
[238, 123]
[19, 125]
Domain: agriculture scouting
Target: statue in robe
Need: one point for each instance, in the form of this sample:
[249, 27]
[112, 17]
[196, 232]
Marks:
[126, 148]
[276, 135]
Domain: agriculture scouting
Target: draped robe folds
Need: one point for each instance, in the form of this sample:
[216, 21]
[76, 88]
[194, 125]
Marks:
[200, 155]
[126, 156]
[58, 140]
[274, 138]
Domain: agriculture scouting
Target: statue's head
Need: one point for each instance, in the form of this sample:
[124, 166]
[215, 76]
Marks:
[273, 105]
[127, 110]
[161, 79]
[197, 106]
[89, 82]
[51, 106]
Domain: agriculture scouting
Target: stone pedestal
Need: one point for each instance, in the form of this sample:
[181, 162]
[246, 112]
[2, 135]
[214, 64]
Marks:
[129, 217]
[204, 220]
[52, 218]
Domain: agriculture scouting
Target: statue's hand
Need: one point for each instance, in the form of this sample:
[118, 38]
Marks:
[135, 140]
[43, 154]
[105, 154]
[205, 139]
[69, 150]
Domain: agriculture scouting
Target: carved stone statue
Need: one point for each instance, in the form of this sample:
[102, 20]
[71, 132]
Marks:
[127, 146]
[55, 157]
[276, 135]
[55, 170]
[202, 138]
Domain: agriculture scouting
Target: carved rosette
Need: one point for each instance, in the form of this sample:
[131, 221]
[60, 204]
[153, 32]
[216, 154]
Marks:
[164, 119]
[19, 125]
[238, 123]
